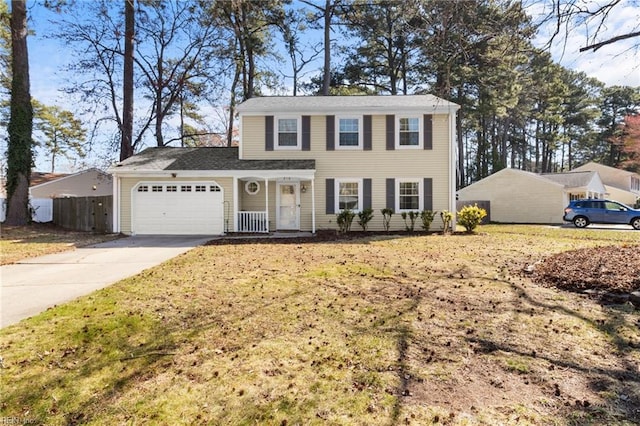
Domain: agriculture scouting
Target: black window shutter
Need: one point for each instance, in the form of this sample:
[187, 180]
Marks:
[331, 132]
[366, 193]
[367, 137]
[391, 194]
[331, 199]
[306, 133]
[428, 131]
[268, 134]
[428, 194]
[391, 132]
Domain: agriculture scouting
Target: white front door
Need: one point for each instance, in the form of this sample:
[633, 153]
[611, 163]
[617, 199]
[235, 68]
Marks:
[288, 206]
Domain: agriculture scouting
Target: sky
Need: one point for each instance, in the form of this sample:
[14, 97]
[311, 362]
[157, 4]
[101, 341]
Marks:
[615, 64]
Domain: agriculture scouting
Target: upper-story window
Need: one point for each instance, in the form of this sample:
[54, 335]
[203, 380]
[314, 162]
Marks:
[349, 132]
[409, 132]
[288, 133]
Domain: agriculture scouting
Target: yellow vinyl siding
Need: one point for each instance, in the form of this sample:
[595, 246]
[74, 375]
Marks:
[377, 164]
[127, 184]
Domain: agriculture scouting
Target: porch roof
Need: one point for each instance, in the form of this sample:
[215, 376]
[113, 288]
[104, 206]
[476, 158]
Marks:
[203, 158]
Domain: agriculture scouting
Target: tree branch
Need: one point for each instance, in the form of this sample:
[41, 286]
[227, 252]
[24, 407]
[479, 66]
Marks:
[597, 46]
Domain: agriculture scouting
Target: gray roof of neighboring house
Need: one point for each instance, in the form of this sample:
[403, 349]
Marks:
[205, 158]
[333, 104]
[571, 179]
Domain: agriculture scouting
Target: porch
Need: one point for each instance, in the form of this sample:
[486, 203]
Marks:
[264, 205]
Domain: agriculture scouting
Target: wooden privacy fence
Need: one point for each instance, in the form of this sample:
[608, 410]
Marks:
[84, 213]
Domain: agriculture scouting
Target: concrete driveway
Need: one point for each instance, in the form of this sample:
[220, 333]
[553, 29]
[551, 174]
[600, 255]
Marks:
[33, 285]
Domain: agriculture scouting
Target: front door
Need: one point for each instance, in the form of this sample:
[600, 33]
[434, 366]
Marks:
[288, 206]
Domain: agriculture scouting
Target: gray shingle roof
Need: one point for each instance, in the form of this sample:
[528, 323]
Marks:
[333, 104]
[206, 158]
[571, 179]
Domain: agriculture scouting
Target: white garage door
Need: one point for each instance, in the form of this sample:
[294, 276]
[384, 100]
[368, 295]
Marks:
[177, 208]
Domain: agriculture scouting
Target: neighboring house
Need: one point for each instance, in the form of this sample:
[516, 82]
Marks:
[621, 185]
[41, 209]
[87, 183]
[517, 196]
[47, 186]
[300, 161]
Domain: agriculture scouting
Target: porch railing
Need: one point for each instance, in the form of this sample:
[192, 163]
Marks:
[252, 222]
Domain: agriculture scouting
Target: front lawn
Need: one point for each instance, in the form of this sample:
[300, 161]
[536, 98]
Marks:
[23, 242]
[380, 330]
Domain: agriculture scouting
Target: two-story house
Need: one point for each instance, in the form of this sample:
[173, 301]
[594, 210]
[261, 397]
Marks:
[620, 185]
[300, 161]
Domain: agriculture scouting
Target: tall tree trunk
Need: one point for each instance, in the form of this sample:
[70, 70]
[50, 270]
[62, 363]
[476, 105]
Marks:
[326, 80]
[126, 142]
[19, 150]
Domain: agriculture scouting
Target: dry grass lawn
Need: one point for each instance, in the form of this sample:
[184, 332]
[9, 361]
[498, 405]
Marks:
[380, 330]
[23, 242]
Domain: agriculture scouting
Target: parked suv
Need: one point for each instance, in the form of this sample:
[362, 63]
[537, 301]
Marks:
[584, 212]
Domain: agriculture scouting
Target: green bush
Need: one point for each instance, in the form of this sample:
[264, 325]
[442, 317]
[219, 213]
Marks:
[364, 217]
[386, 218]
[427, 217]
[412, 219]
[447, 218]
[344, 219]
[471, 216]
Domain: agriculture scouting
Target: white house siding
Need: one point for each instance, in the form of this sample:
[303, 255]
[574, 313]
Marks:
[79, 185]
[377, 164]
[621, 195]
[519, 197]
[127, 184]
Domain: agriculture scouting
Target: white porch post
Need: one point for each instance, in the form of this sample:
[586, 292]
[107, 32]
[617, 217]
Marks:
[266, 196]
[313, 205]
[235, 204]
[116, 205]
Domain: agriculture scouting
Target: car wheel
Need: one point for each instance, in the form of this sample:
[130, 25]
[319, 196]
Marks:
[636, 223]
[580, 222]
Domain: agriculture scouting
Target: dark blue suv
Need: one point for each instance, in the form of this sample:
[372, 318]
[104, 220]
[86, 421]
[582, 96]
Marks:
[584, 212]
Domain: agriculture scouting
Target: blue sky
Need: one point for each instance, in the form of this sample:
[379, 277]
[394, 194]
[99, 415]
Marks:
[616, 64]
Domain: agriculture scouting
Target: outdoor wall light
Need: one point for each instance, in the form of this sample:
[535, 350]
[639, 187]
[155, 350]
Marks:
[303, 188]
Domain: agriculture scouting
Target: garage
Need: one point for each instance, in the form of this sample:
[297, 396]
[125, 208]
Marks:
[177, 208]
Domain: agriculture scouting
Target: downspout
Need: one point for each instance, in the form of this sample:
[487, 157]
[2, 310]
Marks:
[453, 161]
[313, 204]
[235, 204]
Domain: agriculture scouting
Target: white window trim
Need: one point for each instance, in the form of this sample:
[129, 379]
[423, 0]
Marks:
[360, 119]
[248, 183]
[276, 133]
[336, 192]
[420, 193]
[420, 131]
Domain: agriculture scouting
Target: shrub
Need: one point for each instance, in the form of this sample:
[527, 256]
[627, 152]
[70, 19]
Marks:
[344, 219]
[471, 216]
[412, 219]
[427, 217]
[364, 217]
[446, 217]
[386, 218]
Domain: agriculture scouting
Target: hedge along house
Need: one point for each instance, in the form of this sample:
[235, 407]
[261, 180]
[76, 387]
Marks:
[300, 161]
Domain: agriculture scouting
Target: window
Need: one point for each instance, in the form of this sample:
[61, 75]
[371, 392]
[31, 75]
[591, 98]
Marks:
[172, 188]
[409, 130]
[348, 195]
[349, 132]
[635, 184]
[252, 187]
[409, 195]
[214, 188]
[185, 188]
[201, 188]
[288, 133]
[143, 188]
[156, 188]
